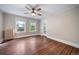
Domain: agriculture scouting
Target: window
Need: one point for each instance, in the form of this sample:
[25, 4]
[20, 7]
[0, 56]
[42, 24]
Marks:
[20, 25]
[44, 28]
[32, 26]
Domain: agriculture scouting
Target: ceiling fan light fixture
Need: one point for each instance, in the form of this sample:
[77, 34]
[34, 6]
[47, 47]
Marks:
[33, 10]
[33, 14]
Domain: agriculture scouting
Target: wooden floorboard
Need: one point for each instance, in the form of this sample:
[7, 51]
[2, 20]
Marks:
[36, 45]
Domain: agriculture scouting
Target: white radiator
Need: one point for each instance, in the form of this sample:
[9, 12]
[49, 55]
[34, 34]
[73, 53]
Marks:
[8, 34]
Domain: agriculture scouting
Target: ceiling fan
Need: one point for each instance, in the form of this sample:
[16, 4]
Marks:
[34, 10]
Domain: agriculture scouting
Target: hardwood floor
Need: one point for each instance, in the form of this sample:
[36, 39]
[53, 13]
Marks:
[36, 45]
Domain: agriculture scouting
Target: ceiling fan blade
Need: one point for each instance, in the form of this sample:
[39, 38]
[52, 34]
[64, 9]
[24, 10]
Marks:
[38, 14]
[38, 9]
[27, 8]
[30, 6]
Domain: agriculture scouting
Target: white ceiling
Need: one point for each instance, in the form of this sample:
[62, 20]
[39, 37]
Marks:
[47, 9]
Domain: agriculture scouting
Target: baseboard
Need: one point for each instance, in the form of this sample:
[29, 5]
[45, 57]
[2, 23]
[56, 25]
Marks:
[64, 41]
[27, 35]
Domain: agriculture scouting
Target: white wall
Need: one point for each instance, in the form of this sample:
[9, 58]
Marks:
[64, 27]
[10, 22]
[1, 27]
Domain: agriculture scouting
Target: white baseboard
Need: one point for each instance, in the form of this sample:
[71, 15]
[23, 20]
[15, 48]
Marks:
[64, 41]
[27, 35]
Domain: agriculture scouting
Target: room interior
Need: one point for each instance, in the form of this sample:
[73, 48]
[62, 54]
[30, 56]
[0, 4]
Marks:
[39, 29]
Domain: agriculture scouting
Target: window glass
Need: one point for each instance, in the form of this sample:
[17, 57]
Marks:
[20, 26]
[32, 26]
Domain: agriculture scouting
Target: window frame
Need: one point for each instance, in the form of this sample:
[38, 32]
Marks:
[17, 27]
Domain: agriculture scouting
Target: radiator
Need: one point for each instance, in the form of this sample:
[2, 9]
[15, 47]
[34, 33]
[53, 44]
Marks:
[8, 34]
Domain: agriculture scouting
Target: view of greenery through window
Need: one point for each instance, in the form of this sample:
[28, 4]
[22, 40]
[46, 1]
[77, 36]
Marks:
[32, 27]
